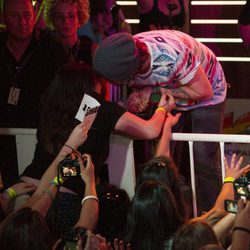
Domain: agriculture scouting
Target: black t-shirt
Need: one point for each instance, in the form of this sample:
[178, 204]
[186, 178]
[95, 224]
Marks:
[31, 75]
[81, 51]
[97, 145]
[159, 19]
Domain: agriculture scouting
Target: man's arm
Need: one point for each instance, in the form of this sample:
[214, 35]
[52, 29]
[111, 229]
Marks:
[199, 88]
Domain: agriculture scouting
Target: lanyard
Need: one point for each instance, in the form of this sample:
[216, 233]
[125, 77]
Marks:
[19, 69]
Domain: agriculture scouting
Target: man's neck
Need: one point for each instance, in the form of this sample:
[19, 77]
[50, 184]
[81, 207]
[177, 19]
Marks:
[17, 48]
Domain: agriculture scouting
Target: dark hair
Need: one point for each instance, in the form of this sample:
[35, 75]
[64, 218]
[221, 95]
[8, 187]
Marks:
[194, 235]
[114, 205]
[97, 6]
[211, 247]
[164, 170]
[25, 229]
[61, 102]
[153, 218]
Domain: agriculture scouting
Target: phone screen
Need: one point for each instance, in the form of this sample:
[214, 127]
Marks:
[231, 206]
[155, 98]
[69, 171]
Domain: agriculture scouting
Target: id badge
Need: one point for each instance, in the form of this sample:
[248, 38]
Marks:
[13, 96]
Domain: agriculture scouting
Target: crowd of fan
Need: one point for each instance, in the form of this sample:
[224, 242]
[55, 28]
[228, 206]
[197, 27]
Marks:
[45, 69]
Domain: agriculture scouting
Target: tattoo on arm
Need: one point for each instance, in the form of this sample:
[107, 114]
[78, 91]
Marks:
[180, 93]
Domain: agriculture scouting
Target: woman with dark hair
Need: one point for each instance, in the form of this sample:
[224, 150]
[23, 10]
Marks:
[114, 204]
[164, 170]
[106, 18]
[153, 218]
[193, 236]
[58, 111]
[162, 14]
[25, 229]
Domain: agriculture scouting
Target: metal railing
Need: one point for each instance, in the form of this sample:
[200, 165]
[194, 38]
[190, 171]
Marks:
[220, 138]
[129, 179]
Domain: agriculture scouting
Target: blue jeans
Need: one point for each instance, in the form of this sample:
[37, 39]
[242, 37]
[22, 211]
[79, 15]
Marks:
[206, 154]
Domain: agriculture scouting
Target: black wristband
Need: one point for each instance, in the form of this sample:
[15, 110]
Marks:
[66, 145]
[241, 229]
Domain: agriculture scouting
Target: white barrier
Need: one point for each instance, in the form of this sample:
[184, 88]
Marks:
[121, 157]
[220, 138]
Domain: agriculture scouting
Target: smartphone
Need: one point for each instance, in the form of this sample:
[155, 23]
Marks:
[242, 189]
[231, 206]
[155, 98]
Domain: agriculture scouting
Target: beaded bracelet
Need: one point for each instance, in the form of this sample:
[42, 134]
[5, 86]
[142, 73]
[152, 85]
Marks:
[229, 180]
[57, 181]
[161, 109]
[11, 193]
[89, 197]
[241, 229]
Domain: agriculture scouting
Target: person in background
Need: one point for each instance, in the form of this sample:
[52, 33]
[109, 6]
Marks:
[162, 168]
[153, 218]
[193, 236]
[64, 18]
[163, 14]
[114, 204]
[244, 25]
[28, 228]
[27, 65]
[28, 62]
[106, 18]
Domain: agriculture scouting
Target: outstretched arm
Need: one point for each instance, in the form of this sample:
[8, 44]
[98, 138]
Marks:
[163, 146]
[134, 126]
[234, 171]
[14, 191]
[90, 208]
[40, 200]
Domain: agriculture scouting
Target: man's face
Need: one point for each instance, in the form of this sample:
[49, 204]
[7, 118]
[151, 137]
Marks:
[19, 18]
[104, 20]
[66, 19]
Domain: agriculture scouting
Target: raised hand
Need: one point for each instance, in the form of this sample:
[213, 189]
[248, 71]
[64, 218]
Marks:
[78, 136]
[23, 188]
[87, 168]
[234, 169]
[167, 101]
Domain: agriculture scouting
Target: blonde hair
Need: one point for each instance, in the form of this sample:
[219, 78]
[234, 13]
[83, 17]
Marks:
[82, 11]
